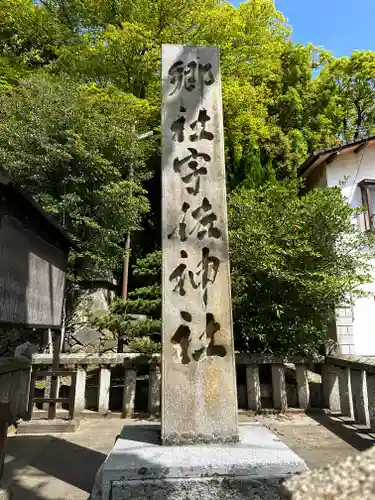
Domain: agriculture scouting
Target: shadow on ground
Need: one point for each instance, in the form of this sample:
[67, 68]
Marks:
[356, 436]
[43, 456]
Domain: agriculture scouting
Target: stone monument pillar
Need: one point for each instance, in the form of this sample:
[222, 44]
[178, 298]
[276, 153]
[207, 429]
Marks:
[199, 402]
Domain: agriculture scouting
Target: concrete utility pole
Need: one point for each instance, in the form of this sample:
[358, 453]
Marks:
[125, 275]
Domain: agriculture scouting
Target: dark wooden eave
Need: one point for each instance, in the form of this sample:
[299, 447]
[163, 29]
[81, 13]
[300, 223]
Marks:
[30, 206]
[326, 156]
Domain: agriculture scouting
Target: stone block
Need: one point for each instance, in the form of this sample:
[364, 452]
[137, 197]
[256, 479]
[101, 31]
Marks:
[360, 397]
[6, 494]
[139, 467]
[128, 397]
[346, 396]
[80, 391]
[253, 387]
[87, 335]
[349, 479]
[154, 391]
[199, 400]
[55, 426]
[303, 388]
[279, 393]
[103, 390]
[331, 390]
[371, 399]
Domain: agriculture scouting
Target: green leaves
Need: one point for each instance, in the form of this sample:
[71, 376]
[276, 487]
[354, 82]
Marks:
[146, 300]
[72, 147]
[293, 260]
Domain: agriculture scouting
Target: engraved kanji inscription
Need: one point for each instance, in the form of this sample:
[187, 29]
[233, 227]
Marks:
[200, 221]
[199, 126]
[190, 171]
[190, 76]
[183, 276]
[178, 128]
[209, 347]
[208, 268]
[206, 345]
[206, 273]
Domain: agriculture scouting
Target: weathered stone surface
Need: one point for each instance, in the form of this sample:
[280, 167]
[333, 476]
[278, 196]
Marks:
[86, 335]
[12, 338]
[56, 426]
[253, 388]
[197, 489]
[346, 396]
[360, 397]
[351, 479]
[81, 335]
[331, 390]
[25, 350]
[199, 400]
[5, 494]
[139, 467]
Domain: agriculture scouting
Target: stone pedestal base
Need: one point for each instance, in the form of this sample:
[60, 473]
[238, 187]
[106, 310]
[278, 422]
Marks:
[47, 426]
[140, 468]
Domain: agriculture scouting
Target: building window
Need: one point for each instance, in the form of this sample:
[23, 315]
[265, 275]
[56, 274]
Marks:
[368, 199]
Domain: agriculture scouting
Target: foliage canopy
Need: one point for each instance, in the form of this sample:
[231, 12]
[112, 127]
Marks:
[79, 81]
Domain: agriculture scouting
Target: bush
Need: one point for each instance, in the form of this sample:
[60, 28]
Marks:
[293, 260]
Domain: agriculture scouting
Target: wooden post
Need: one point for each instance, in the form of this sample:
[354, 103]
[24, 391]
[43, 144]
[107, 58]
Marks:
[55, 366]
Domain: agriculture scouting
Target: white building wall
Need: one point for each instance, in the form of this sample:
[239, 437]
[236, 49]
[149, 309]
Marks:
[356, 167]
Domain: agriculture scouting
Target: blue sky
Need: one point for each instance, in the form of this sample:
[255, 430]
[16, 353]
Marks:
[340, 26]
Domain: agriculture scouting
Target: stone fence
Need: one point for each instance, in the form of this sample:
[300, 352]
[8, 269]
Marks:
[349, 387]
[129, 383]
[15, 386]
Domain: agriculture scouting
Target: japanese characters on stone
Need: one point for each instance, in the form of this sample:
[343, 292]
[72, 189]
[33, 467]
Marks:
[197, 218]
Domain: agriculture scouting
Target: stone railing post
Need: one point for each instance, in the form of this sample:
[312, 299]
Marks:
[128, 397]
[346, 397]
[360, 398]
[80, 390]
[19, 387]
[104, 388]
[24, 392]
[303, 388]
[279, 387]
[154, 389]
[371, 398]
[253, 387]
[331, 390]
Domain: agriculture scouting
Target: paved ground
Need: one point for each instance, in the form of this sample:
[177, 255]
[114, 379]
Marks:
[63, 467]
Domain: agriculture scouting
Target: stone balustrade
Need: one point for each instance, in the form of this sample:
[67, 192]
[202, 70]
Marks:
[349, 387]
[347, 384]
[130, 372]
[277, 390]
[15, 378]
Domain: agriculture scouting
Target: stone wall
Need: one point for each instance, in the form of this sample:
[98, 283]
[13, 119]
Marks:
[80, 335]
